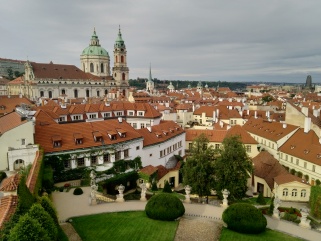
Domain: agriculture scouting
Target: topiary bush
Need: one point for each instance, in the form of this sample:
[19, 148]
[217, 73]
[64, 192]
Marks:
[244, 218]
[260, 199]
[78, 191]
[154, 186]
[164, 206]
[167, 188]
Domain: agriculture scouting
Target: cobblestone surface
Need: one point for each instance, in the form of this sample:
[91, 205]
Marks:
[194, 229]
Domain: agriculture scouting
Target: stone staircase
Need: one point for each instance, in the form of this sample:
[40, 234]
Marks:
[101, 198]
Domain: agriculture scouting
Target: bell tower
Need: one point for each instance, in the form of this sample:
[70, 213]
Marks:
[120, 69]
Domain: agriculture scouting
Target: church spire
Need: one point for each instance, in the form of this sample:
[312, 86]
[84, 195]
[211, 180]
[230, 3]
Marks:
[150, 73]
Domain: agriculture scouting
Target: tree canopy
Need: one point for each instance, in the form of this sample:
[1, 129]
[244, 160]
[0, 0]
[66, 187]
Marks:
[233, 167]
[198, 171]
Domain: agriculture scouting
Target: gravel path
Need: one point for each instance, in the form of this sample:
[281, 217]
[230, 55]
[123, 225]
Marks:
[194, 229]
[70, 232]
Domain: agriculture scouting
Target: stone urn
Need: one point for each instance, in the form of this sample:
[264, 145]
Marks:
[187, 196]
[120, 196]
[225, 193]
[276, 212]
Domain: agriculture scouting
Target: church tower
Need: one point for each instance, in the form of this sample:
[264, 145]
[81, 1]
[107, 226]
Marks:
[150, 83]
[120, 69]
[95, 59]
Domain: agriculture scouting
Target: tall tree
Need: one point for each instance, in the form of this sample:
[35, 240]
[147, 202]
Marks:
[233, 168]
[198, 171]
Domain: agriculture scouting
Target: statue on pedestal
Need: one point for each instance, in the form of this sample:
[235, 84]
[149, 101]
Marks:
[120, 196]
[225, 193]
[187, 196]
[305, 223]
[94, 188]
[143, 193]
[276, 203]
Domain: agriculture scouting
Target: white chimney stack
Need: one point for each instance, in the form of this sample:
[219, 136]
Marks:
[284, 125]
[307, 124]
[120, 119]
[149, 128]
[255, 114]
[214, 116]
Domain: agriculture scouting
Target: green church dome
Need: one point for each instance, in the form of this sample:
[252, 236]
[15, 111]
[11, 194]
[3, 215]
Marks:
[94, 48]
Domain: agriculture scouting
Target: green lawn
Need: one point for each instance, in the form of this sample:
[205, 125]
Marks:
[268, 235]
[123, 226]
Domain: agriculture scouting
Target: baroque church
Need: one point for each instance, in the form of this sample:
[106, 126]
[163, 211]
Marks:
[94, 79]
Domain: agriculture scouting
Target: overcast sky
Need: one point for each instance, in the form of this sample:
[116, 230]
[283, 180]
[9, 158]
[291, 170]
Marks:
[209, 40]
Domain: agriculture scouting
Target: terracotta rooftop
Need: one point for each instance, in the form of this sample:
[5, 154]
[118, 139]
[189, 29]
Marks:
[10, 121]
[286, 178]
[34, 172]
[212, 135]
[45, 133]
[238, 130]
[157, 134]
[305, 146]
[8, 206]
[148, 170]
[273, 131]
[10, 184]
[267, 167]
[8, 105]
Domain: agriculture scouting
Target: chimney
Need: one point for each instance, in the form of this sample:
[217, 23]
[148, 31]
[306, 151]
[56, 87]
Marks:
[284, 125]
[120, 119]
[217, 113]
[214, 116]
[255, 114]
[221, 124]
[20, 95]
[248, 112]
[316, 112]
[305, 110]
[307, 124]
[228, 127]
[149, 128]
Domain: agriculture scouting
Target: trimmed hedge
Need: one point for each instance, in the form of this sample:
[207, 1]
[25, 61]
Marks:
[167, 187]
[78, 191]
[3, 175]
[260, 199]
[244, 218]
[315, 202]
[164, 206]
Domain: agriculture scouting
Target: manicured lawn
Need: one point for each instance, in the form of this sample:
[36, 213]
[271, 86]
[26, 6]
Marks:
[123, 226]
[268, 235]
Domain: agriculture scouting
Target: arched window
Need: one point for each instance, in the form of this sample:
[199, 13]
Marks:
[87, 93]
[102, 68]
[75, 93]
[97, 68]
[294, 192]
[41, 93]
[83, 67]
[285, 192]
[115, 74]
[98, 93]
[106, 91]
[303, 193]
[63, 91]
[122, 59]
[50, 94]
[91, 67]
[116, 59]
[18, 164]
[123, 76]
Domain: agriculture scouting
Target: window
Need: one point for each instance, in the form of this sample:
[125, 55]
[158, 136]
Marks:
[57, 143]
[117, 155]
[123, 76]
[313, 168]
[78, 141]
[98, 93]
[217, 146]
[91, 67]
[291, 159]
[122, 59]
[303, 193]
[92, 116]
[87, 93]
[80, 162]
[67, 163]
[119, 113]
[76, 93]
[294, 192]
[180, 153]
[23, 142]
[77, 117]
[93, 160]
[41, 93]
[61, 119]
[248, 148]
[161, 153]
[190, 145]
[286, 157]
[297, 161]
[50, 94]
[102, 68]
[63, 91]
[272, 145]
[107, 115]
[140, 113]
[142, 125]
[305, 165]
[150, 154]
[131, 113]
[281, 155]
[285, 192]
[106, 158]
[135, 125]
[126, 153]
[137, 148]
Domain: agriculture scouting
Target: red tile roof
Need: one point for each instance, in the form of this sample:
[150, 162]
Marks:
[246, 138]
[10, 121]
[8, 206]
[34, 172]
[8, 105]
[212, 135]
[148, 170]
[286, 178]
[10, 184]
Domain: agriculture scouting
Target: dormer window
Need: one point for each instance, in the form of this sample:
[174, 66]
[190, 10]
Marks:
[165, 132]
[78, 138]
[140, 113]
[306, 151]
[171, 130]
[292, 147]
[131, 113]
[158, 134]
[98, 137]
[112, 135]
[177, 128]
[121, 133]
[56, 141]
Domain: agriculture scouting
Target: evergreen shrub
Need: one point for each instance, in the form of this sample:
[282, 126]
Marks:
[154, 186]
[164, 206]
[244, 218]
[167, 188]
[48, 206]
[78, 191]
[260, 199]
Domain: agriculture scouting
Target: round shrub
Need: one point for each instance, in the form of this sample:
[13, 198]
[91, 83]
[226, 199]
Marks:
[78, 191]
[244, 218]
[164, 206]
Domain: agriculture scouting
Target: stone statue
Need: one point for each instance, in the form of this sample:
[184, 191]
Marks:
[225, 193]
[305, 223]
[187, 196]
[143, 193]
[93, 178]
[120, 196]
[276, 212]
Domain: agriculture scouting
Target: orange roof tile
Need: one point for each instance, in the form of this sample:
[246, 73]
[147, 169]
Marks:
[10, 121]
[286, 178]
[10, 183]
[148, 170]
[8, 206]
